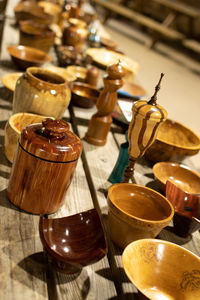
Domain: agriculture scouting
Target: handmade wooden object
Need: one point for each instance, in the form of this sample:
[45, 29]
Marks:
[146, 118]
[187, 209]
[100, 122]
[42, 92]
[73, 242]
[44, 165]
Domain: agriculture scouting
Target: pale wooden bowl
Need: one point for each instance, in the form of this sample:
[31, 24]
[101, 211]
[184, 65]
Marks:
[162, 270]
[9, 80]
[174, 142]
[67, 75]
[13, 128]
[182, 176]
[136, 212]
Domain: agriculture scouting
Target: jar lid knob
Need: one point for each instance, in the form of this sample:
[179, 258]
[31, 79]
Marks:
[55, 128]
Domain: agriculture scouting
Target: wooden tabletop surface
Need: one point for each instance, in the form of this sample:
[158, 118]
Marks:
[25, 274]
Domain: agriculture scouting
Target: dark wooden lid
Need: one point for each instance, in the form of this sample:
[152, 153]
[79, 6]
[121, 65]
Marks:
[52, 141]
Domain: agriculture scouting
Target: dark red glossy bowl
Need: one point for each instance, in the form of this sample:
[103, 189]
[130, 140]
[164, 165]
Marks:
[73, 242]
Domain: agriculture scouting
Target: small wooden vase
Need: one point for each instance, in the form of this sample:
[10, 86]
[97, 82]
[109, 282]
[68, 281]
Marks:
[101, 121]
[75, 34]
[43, 167]
[42, 92]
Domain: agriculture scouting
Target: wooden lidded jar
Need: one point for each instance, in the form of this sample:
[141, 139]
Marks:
[43, 167]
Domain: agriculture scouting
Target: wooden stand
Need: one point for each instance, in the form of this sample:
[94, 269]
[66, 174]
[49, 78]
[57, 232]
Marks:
[100, 122]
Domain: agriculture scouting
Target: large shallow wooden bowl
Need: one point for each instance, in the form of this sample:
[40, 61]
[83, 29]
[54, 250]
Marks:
[174, 142]
[104, 58]
[182, 176]
[79, 72]
[25, 57]
[54, 10]
[13, 128]
[136, 212]
[73, 242]
[162, 270]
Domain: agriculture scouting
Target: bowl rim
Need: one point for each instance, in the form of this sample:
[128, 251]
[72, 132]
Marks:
[195, 147]
[154, 241]
[7, 76]
[57, 254]
[47, 58]
[12, 118]
[131, 217]
[157, 165]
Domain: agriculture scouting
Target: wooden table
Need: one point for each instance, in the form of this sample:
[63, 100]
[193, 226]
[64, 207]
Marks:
[25, 274]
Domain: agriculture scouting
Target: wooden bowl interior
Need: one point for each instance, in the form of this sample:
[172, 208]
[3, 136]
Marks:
[162, 270]
[21, 120]
[176, 134]
[84, 91]
[78, 238]
[140, 202]
[181, 176]
[79, 72]
[28, 54]
[9, 80]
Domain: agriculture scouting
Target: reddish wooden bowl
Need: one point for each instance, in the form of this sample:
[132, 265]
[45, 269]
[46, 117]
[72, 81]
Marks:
[187, 210]
[83, 94]
[25, 57]
[73, 242]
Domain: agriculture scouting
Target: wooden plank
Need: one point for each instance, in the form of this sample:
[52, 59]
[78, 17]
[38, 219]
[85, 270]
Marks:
[100, 162]
[141, 19]
[180, 7]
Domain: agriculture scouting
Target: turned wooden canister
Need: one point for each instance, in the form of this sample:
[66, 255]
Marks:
[43, 167]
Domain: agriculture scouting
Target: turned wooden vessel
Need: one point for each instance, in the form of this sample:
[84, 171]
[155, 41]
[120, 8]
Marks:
[146, 119]
[101, 121]
[75, 34]
[13, 128]
[43, 167]
[42, 92]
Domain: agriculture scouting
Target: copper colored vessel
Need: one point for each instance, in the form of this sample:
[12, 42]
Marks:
[43, 167]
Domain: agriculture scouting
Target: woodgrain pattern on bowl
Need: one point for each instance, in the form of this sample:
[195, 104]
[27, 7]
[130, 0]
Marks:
[187, 209]
[174, 142]
[25, 57]
[162, 270]
[182, 176]
[136, 212]
[75, 241]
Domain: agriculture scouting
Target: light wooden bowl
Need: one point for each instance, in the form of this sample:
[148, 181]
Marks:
[79, 72]
[62, 72]
[174, 142]
[182, 176]
[9, 80]
[13, 128]
[162, 270]
[25, 57]
[136, 212]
